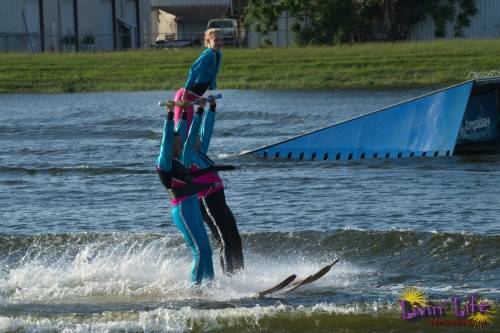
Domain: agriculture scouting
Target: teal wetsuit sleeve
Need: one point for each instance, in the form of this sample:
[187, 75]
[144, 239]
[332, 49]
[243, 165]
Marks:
[213, 82]
[207, 130]
[164, 160]
[198, 69]
[188, 149]
[182, 126]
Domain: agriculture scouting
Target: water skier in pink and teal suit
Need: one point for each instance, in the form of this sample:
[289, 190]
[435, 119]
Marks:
[172, 164]
[216, 213]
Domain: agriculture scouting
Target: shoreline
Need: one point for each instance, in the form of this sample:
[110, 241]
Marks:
[370, 66]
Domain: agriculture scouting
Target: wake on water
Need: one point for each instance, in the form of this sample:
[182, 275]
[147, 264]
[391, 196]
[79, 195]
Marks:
[94, 282]
[139, 282]
[121, 268]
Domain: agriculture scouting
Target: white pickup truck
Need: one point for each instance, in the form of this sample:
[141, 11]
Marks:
[230, 30]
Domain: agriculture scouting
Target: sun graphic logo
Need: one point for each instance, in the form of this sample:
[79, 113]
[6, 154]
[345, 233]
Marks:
[479, 312]
[485, 314]
[413, 296]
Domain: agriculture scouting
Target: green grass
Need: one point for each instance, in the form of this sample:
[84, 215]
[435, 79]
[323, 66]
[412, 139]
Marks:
[371, 65]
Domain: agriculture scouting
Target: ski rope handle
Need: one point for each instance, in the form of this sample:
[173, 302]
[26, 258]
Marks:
[209, 98]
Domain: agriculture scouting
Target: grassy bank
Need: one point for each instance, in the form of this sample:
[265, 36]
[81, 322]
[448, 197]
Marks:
[373, 65]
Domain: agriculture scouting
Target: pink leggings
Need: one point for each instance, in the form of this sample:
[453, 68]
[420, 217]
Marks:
[189, 96]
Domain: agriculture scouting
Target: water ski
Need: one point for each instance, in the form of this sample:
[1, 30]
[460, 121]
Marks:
[292, 284]
[277, 287]
[311, 278]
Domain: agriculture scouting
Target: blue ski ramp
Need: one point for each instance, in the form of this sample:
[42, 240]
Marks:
[459, 118]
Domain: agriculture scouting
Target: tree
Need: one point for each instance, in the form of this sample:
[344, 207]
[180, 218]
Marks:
[339, 21]
[319, 21]
[467, 10]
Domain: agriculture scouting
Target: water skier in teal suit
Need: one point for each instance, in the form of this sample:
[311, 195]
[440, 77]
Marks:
[202, 75]
[175, 176]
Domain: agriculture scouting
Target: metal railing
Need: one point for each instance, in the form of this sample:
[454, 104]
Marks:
[35, 42]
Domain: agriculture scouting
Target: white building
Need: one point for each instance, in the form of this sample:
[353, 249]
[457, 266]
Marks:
[485, 24]
[79, 25]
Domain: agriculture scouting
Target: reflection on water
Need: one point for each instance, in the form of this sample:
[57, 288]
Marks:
[87, 242]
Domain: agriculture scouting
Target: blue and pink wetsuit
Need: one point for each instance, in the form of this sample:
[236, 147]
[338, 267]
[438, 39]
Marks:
[216, 213]
[186, 215]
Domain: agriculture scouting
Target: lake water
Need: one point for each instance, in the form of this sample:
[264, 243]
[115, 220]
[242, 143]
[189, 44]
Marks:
[87, 242]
